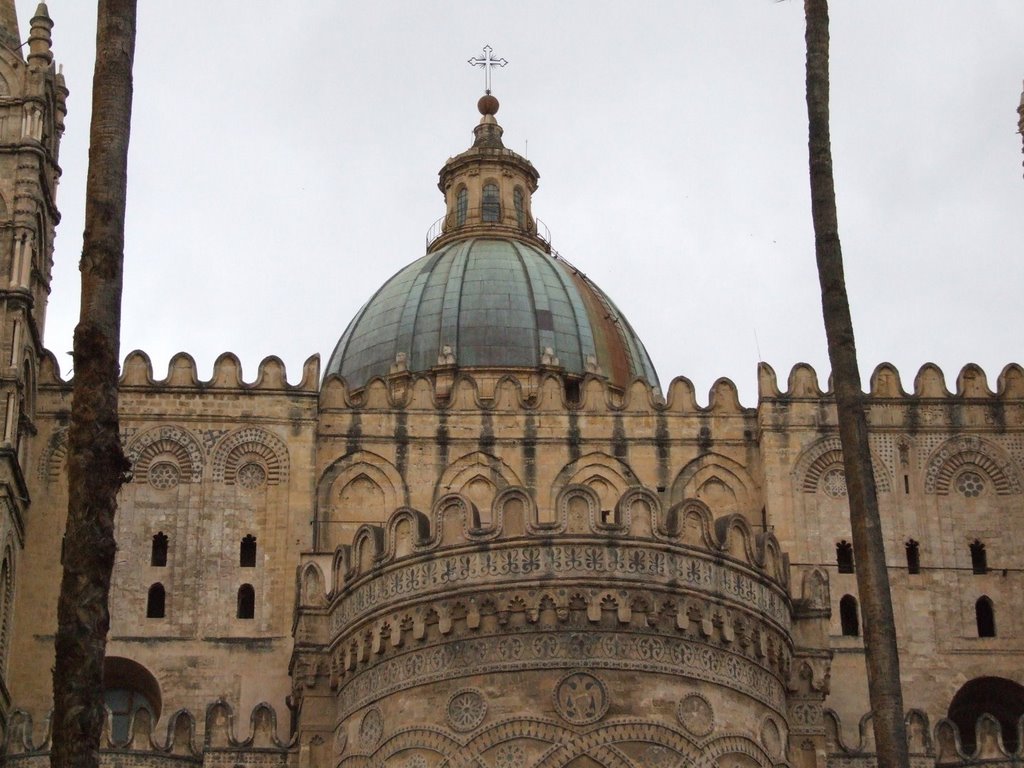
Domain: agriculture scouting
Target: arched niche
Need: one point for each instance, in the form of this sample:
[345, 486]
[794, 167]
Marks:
[996, 696]
[359, 488]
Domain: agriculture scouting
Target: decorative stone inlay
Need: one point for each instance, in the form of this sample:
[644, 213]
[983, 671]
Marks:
[341, 740]
[771, 737]
[251, 476]
[416, 761]
[834, 483]
[371, 729]
[466, 710]
[663, 757]
[510, 756]
[581, 698]
[696, 715]
[482, 655]
[164, 475]
[622, 562]
[970, 484]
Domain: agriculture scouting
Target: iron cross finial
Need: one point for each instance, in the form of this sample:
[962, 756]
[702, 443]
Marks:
[487, 62]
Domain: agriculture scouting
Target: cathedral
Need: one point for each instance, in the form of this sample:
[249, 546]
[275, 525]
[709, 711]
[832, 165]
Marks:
[486, 534]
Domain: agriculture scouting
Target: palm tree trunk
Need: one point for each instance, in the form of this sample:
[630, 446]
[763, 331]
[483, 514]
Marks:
[96, 462]
[881, 657]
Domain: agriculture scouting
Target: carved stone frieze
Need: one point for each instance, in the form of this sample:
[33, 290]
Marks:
[490, 568]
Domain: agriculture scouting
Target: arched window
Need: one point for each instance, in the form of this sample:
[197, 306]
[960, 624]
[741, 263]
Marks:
[461, 206]
[844, 556]
[247, 552]
[848, 618]
[128, 687]
[158, 556]
[996, 696]
[979, 560]
[517, 200]
[913, 557]
[246, 602]
[155, 601]
[985, 615]
[491, 207]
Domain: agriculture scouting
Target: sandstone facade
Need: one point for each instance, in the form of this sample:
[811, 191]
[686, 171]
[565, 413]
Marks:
[494, 552]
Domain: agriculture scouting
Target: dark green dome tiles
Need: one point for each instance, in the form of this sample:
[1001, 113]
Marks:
[498, 303]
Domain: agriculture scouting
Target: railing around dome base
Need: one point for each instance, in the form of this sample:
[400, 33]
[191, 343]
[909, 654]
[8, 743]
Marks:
[488, 219]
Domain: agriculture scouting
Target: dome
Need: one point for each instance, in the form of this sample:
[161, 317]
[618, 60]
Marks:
[495, 302]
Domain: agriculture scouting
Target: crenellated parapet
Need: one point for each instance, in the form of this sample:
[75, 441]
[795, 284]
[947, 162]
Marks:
[182, 374]
[216, 738]
[885, 383]
[543, 390]
[989, 742]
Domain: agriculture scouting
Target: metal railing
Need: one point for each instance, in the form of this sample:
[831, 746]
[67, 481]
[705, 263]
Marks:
[488, 217]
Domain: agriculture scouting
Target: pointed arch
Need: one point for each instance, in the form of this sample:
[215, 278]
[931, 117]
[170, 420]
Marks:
[7, 572]
[52, 458]
[478, 476]
[721, 483]
[608, 476]
[360, 487]
[970, 452]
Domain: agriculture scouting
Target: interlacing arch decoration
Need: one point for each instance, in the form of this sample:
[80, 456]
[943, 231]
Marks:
[970, 452]
[166, 444]
[723, 484]
[609, 744]
[820, 458]
[608, 476]
[51, 462]
[250, 445]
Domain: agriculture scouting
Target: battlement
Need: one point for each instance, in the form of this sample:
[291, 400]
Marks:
[885, 383]
[532, 391]
[178, 742]
[942, 744]
[182, 374]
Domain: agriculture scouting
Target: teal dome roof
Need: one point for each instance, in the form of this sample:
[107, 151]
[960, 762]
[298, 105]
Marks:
[497, 303]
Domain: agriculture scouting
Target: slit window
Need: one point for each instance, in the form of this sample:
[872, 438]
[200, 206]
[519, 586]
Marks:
[247, 552]
[158, 556]
[913, 557]
[979, 559]
[848, 618]
[844, 556]
[156, 602]
[246, 602]
[491, 209]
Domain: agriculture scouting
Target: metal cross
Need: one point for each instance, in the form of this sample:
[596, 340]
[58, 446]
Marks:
[487, 62]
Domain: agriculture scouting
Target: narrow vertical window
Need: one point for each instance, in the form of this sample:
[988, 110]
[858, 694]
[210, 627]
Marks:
[461, 207]
[158, 555]
[491, 207]
[247, 552]
[517, 200]
[155, 602]
[844, 556]
[979, 560]
[848, 618]
[246, 602]
[985, 615]
[913, 557]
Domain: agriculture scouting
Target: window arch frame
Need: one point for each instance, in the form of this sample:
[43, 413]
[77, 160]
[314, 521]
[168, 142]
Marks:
[461, 206]
[158, 552]
[849, 616]
[490, 203]
[247, 551]
[985, 616]
[156, 601]
[245, 607]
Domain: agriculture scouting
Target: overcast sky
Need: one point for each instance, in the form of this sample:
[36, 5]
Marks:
[284, 160]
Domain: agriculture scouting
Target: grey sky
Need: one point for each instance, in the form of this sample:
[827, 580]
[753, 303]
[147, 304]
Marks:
[284, 162]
